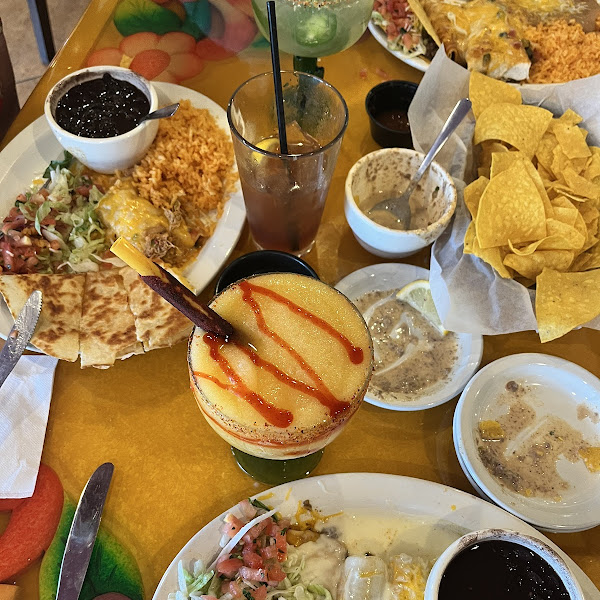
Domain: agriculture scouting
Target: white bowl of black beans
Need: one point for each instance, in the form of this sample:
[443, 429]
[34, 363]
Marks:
[501, 564]
[95, 112]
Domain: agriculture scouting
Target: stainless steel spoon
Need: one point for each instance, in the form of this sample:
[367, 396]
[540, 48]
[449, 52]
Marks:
[161, 113]
[399, 207]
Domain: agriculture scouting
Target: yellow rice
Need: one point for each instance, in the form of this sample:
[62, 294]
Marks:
[189, 163]
[562, 51]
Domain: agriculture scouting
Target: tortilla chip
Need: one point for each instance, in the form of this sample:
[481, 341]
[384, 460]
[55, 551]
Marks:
[158, 324]
[521, 126]
[469, 238]
[571, 140]
[565, 215]
[57, 331]
[532, 265]
[565, 300]
[485, 91]
[588, 212]
[493, 257]
[590, 259]
[472, 194]
[488, 148]
[592, 169]
[544, 153]
[510, 208]
[580, 262]
[579, 185]
[107, 324]
[502, 161]
[567, 237]
[590, 243]
[569, 117]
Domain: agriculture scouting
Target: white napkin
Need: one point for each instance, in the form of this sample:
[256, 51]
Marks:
[24, 405]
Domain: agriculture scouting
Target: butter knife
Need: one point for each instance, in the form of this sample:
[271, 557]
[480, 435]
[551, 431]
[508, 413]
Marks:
[82, 535]
[20, 334]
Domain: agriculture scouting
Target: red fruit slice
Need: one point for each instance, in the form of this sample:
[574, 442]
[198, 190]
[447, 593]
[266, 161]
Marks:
[105, 56]
[150, 63]
[10, 503]
[185, 66]
[211, 50]
[138, 42]
[32, 525]
[176, 42]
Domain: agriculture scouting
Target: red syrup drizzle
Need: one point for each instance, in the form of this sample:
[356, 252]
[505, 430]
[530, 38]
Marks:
[272, 414]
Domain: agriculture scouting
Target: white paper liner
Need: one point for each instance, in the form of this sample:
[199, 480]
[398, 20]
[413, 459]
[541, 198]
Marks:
[469, 295]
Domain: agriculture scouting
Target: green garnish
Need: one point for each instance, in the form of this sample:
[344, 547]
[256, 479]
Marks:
[65, 163]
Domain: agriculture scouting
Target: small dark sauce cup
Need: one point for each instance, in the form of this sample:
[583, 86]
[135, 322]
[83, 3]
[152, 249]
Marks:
[262, 261]
[388, 96]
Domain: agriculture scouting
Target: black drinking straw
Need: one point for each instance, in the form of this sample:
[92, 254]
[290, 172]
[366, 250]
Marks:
[277, 76]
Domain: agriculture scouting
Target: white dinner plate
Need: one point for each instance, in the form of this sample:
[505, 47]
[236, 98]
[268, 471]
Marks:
[418, 62]
[30, 152]
[390, 276]
[559, 387]
[384, 495]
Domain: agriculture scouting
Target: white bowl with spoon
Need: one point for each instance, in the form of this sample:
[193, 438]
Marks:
[391, 209]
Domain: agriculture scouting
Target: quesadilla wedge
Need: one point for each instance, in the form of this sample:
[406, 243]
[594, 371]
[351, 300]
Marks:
[57, 332]
[158, 324]
[107, 325]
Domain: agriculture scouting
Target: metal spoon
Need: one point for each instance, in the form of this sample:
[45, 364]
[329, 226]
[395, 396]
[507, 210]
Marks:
[161, 113]
[399, 207]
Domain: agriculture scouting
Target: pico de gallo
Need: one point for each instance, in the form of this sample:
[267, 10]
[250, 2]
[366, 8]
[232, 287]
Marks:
[404, 31]
[253, 564]
[53, 226]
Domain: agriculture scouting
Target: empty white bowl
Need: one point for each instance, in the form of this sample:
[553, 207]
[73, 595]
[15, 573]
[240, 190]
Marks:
[385, 173]
[105, 155]
[543, 550]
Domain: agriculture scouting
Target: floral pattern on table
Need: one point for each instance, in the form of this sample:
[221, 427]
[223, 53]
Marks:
[170, 40]
[39, 526]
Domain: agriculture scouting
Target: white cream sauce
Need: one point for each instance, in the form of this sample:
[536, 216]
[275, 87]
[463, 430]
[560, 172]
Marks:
[400, 549]
[386, 535]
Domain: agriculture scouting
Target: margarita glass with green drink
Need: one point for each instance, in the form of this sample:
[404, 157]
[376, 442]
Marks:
[309, 29]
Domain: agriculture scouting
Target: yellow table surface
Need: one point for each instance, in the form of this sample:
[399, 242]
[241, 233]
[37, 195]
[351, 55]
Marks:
[172, 473]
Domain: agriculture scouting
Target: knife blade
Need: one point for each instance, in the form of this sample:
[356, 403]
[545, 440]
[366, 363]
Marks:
[82, 535]
[20, 334]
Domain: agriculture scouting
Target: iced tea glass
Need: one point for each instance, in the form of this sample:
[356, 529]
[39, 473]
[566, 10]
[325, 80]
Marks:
[285, 193]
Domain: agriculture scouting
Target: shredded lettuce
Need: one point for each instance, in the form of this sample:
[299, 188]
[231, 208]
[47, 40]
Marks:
[192, 584]
[78, 231]
[65, 163]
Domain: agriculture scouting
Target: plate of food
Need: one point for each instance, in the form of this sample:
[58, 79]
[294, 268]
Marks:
[527, 431]
[182, 204]
[513, 40]
[418, 364]
[343, 533]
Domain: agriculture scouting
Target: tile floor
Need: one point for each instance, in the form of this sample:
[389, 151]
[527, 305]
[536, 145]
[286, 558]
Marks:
[28, 68]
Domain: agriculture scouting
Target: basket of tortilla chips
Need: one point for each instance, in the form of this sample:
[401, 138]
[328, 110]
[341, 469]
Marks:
[529, 235]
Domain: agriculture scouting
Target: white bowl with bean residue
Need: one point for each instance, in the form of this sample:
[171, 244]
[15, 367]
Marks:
[385, 174]
[527, 433]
